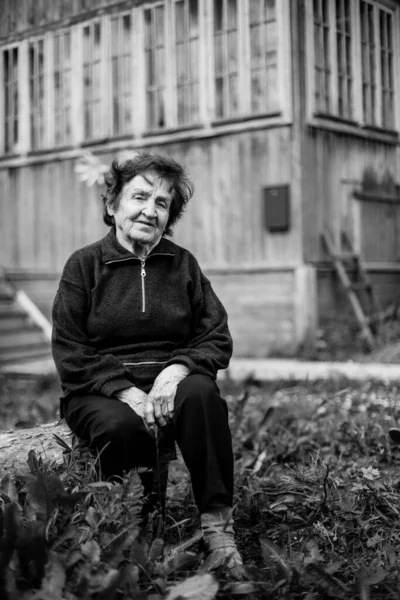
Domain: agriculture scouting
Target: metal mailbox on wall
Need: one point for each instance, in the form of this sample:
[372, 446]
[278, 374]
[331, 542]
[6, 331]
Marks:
[277, 208]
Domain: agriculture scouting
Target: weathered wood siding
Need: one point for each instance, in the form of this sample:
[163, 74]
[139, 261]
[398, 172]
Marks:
[378, 229]
[261, 311]
[48, 212]
[269, 309]
[333, 165]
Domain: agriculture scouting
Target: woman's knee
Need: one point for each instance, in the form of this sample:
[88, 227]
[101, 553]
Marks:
[117, 429]
[200, 390]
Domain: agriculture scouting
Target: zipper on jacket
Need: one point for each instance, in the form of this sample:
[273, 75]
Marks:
[143, 275]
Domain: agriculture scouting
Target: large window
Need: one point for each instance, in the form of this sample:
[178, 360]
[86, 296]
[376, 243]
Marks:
[92, 92]
[354, 76]
[37, 93]
[155, 59]
[187, 60]
[246, 57]
[121, 73]
[159, 66]
[10, 99]
[62, 87]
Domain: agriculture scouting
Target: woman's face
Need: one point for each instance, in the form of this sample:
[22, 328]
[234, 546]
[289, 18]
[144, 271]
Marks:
[143, 210]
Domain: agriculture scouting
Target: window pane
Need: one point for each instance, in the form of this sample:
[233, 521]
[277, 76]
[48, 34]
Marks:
[11, 110]
[226, 59]
[155, 65]
[322, 55]
[36, 92]
[92, 88]
[121, 61]
[344, 59]
[148, 39]
[180, 21]
[368, 74]
[263, 53]
[186, 50]
[232, 14]
[218, 14]
[193, 17]
[386, 65]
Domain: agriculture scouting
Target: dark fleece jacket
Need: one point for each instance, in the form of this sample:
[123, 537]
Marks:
[118, 321]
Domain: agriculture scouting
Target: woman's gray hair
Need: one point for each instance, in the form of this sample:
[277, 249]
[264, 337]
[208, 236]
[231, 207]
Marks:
[165, 166]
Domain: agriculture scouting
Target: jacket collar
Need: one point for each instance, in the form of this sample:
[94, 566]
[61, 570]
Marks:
[113, 251]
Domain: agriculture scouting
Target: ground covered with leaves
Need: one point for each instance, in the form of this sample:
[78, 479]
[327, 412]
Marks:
[317, 505]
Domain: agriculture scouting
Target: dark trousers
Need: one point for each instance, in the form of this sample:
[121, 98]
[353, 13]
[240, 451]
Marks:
[200, 428]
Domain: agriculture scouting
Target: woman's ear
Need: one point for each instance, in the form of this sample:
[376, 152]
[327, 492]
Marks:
[110, 210]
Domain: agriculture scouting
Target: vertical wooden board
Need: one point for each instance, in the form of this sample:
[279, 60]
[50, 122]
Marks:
[27, 217]
[234, 231]
[219, 198]
[62, 214]
[7, 210]
[186, 232]
[201, 168]
[44, 211]
[274, 167]
[53, 192]
[249, 203]
[91, 210]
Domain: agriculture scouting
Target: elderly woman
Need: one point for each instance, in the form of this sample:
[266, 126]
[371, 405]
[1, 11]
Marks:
[139, 335]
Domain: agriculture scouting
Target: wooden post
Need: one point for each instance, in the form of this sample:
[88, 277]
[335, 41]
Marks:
[305, 307]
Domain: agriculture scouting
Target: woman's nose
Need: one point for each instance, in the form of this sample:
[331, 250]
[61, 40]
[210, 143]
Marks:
[150, 208]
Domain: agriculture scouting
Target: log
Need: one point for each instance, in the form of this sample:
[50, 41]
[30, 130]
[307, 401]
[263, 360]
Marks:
[15, 445]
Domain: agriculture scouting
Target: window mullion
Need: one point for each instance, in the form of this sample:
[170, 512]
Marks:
[23, 98]
[244, 59]
[105, 74]
[3, 91]
[77, 99]
[396, 67]
[333, 59]
[310, 61]
[356, 61]
[169, 65]
[378, 72]
[174, 57]
[205, 53]
[210, 61]
[138, 95]
[284, 63]
[48, 90]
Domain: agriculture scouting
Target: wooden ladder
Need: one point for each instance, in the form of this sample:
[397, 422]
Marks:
[346, 262]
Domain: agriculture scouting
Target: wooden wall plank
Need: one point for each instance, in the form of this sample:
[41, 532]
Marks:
[333, 166]
[7, 210]
[224, 224]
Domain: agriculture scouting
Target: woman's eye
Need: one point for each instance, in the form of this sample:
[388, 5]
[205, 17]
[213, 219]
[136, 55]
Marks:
[138, 197]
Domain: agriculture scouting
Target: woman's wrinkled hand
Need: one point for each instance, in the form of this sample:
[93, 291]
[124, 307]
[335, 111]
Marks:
[135, 398]
[159, 408]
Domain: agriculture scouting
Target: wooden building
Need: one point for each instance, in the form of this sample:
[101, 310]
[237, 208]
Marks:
[285, 112]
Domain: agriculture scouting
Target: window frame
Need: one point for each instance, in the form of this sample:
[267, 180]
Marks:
[174, 56]
[204, 126]
[104, 23]
[61, 33]
[109, 75]
[45, 141]
[284, 65]
[357, 123]
[14, 146]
